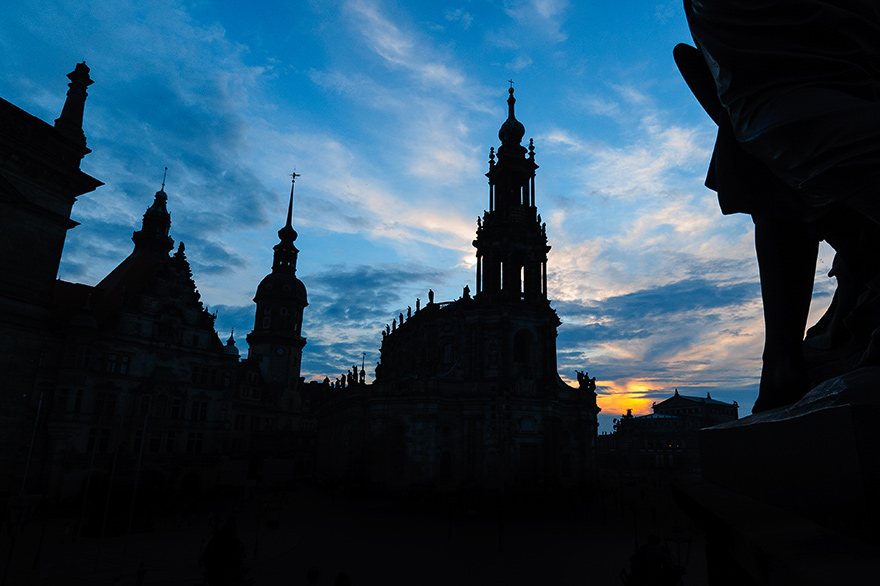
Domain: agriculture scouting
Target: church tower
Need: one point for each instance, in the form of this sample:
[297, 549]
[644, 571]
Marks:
[467, 393]
[153, 236]
[511, 241]
[276, 343]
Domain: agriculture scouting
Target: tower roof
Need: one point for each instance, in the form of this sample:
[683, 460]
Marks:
[512, 131]
[153, 234]
[287, 234]
[282, 280]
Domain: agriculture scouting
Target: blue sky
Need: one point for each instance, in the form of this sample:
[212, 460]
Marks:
[388, 111]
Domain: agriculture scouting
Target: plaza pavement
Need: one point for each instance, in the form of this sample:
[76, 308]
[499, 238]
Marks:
[377, 542]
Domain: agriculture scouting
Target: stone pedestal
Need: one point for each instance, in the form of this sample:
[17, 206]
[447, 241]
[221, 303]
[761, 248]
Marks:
[792, 495]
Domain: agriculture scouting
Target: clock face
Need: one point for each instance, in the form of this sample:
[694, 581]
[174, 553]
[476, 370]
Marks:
[279, 351]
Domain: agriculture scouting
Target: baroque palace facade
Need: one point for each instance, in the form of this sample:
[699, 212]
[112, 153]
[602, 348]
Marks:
[126, 382]
[467, 395]
[125, 385]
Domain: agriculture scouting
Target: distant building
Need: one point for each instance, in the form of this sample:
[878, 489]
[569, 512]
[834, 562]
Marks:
[467, 394]
[667, 438]
[127, 380]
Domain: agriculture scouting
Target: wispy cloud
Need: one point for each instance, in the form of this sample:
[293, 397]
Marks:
[460, 16]
[401, 48]
[542, 16]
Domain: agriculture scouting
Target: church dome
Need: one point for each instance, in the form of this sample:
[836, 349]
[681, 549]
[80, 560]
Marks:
[282, 285]
[512, 131]
[230, 349]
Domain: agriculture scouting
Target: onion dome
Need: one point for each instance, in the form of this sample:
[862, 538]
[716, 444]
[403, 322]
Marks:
[512, 131]
[230, 348]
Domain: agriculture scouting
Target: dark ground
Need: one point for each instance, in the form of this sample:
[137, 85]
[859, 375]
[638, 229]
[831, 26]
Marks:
[382, 542]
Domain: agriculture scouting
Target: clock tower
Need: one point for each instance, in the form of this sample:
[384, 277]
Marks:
[276, 343]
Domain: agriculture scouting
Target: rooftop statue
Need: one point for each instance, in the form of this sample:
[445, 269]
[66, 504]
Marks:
[794, 87]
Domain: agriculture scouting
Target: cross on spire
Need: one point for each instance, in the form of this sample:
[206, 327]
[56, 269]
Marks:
[510, 81]
[293, 177]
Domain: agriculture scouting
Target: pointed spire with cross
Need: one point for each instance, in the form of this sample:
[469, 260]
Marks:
[287, 233]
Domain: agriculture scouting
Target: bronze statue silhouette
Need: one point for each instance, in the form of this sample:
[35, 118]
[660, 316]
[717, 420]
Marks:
[585, 382]
[797, 104]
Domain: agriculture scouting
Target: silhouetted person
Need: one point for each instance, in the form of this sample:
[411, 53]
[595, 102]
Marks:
[223, 557]
[342, 579]
[794, 88]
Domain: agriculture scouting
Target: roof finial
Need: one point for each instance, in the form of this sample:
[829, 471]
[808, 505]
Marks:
[293, 177]
[510, 81]
[512, 130]
[164, 176]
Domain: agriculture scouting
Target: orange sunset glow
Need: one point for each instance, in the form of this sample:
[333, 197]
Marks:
[616, 397]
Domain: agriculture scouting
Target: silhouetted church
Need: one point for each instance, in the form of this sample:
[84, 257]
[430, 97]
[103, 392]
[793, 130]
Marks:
[128, 380]
[467, 393]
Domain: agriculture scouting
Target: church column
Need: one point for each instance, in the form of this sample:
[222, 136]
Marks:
[544, 276]
[479, 272]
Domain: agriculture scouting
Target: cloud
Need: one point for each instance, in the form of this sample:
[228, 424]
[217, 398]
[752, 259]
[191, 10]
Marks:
[184, 105]
[519, 63]
[354, 304]
[460, 16]
[542, 16]
[666, 12]
[401, 48]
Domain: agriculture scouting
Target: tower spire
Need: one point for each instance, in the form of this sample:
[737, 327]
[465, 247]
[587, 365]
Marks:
[153, 234]
[287, 234]
[511, 242]
[285, 251]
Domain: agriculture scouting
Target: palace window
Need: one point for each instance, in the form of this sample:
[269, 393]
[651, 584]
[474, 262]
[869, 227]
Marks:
[105, 403]
[175, 408]
[161, 407]
[199, 411]
[194, 442]
[448, 353]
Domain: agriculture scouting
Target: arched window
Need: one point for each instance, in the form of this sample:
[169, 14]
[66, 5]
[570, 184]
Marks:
[448, 353]
[522, 347]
